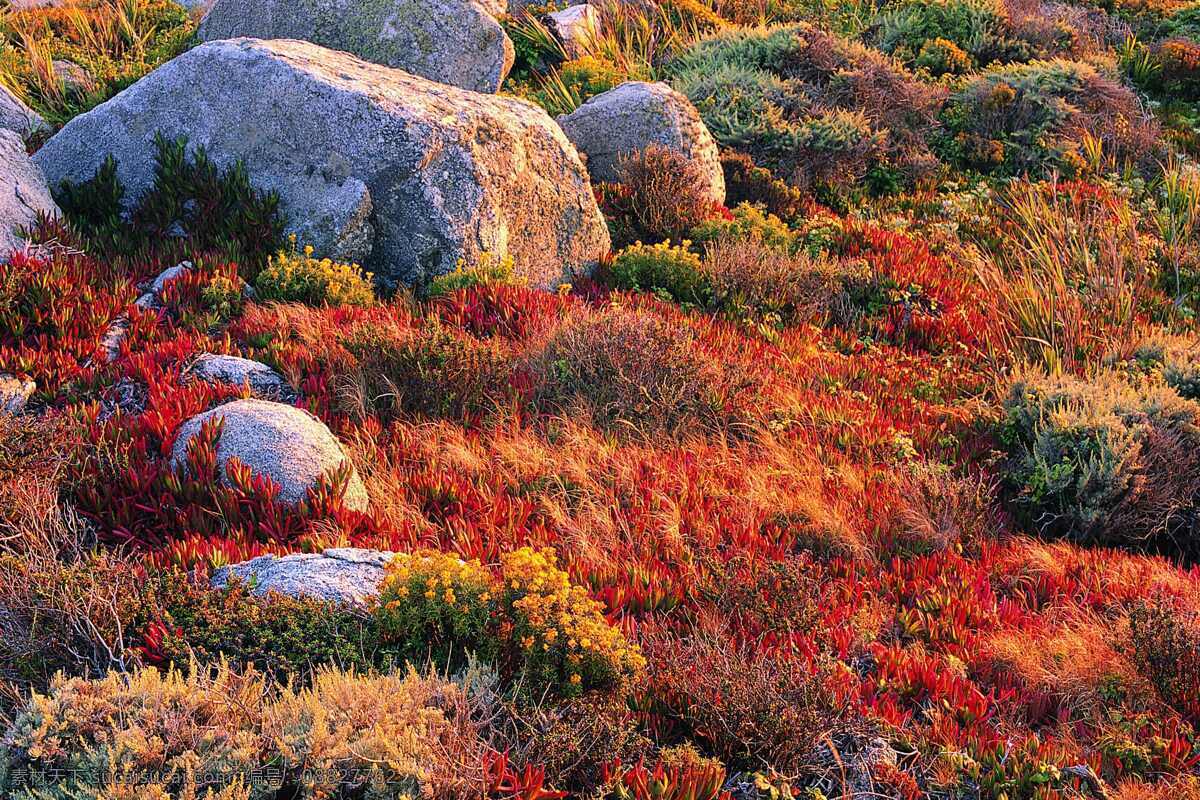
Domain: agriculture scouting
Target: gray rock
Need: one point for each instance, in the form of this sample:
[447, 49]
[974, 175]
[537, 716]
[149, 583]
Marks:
[262, 380]
[75, 79]
[23, 193]
[152, 299]
[576, 27]
[635, 115]
[451, 174]
[284, 443]
[113, 338]
[347, 575]
[14, 393]
[18, 117]
[458, 42]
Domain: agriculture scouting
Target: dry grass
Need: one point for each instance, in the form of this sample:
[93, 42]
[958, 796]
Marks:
[1067, 276]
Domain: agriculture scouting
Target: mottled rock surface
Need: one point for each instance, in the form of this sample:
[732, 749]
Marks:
[458, 42]
[23, 193]
[576, 27]
[346, 574]
[286, 444]
[449, 174]
[635, 115]
[263, 381]
[17, 117]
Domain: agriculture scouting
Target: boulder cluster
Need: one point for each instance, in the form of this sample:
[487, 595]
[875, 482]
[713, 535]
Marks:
[380, 127]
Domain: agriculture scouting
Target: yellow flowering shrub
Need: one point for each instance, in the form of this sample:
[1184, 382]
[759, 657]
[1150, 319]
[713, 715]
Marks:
[294, 276]
[489, 271]
[529, 620]
[560, 635]
[435, 605]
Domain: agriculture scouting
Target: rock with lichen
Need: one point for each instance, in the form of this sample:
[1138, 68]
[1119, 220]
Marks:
[374, 165]
[458, 42]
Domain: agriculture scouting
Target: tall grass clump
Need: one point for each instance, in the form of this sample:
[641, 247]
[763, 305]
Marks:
[1068, 276]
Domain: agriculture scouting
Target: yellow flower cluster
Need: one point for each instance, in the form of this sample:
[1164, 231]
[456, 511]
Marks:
[555, 613]
[295, 276]
[433, 575]
[489, 271]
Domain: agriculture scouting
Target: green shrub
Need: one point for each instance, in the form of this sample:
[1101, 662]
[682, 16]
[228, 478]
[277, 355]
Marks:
[746, 183]
[812, 108]
[1108, 462]
[665, 269]
[943, 57]
[292, 276]
[749, 221]
[216, 210]
[283, 637]
[1033, 117]
[905, 28]
[545, 634]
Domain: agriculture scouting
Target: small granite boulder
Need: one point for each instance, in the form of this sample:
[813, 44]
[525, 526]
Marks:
[23, 193]
[576, 27]
[17, 117]
[153, 297]
[634, 116]
[263, 381]
[284, 443]
[457, 42]
[347, 575]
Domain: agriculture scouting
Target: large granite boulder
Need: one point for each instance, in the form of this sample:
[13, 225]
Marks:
[634, 116]
[284, 443]
[444, 174]
[18, 117]
[458, 42]
[347, 575]
[23, 193]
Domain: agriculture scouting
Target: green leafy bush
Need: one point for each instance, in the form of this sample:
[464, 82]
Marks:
[1108, 462]
[943, 57]
[905, 28]
[1033, 118]
[437, 607]
[283, 637]
[747, 183]
[809, 106]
